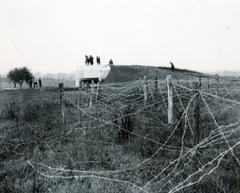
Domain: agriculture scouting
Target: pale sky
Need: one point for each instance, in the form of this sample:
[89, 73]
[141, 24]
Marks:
[55, 35]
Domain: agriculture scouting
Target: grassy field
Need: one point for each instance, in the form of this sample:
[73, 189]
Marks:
[118, 144]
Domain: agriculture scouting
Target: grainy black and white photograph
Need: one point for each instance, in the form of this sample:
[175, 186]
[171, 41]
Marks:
[119, 96]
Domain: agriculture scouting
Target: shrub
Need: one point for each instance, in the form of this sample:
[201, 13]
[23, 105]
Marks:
[11, 111]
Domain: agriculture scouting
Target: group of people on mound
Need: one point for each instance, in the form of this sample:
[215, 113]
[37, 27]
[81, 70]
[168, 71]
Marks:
[35, 83]
[89, 60]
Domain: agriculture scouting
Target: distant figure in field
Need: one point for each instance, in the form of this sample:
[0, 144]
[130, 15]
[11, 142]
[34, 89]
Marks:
[40, 83]
[172, 66]
[111, 62]
[35, 84]
[98, 60]
[86, 60]
[30, 83]
[91, 59]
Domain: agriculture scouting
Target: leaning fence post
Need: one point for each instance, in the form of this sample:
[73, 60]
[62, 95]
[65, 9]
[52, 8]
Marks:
[61, 95]
[91, 94]
[144, 90]
[170, 99]
[196, 113]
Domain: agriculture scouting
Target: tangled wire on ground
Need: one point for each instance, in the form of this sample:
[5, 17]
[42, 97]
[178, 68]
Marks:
[153, 156]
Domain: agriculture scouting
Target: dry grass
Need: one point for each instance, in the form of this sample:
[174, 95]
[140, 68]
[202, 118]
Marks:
[117, 134]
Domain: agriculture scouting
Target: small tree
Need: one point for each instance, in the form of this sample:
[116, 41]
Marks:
[19, 75]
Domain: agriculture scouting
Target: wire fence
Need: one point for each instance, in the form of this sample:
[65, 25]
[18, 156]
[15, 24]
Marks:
[158, 156]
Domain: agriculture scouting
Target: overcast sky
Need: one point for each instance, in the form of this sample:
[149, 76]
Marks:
[54, 36]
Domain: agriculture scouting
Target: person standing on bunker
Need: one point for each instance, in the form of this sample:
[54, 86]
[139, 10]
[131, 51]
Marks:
[86, 60]
[98, 60]
[91, 59]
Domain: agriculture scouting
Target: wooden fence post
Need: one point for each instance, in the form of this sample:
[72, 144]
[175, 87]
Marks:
[217, 84]
[80, 84]
[98, 85]
[156, 85]
[21, 102]
[200, 81]
[34, 185]
[150, 89]
[196, 114]
[61, 95]
[144, 90]
[208, 83]
[160, 90]
[91, 94]
[170, 99]
[80, 88]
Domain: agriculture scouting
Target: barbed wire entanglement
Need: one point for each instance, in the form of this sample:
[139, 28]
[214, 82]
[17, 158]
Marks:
[123, 142]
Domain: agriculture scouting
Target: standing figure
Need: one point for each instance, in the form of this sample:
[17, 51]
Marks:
[30, 83]
[172, 66]
[86, 60]
[91, 59]
[98, 60]
[35, 84]
[40, 83]
[111, 62]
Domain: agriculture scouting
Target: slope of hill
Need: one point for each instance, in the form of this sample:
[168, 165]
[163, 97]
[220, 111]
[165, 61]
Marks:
[134, 72]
